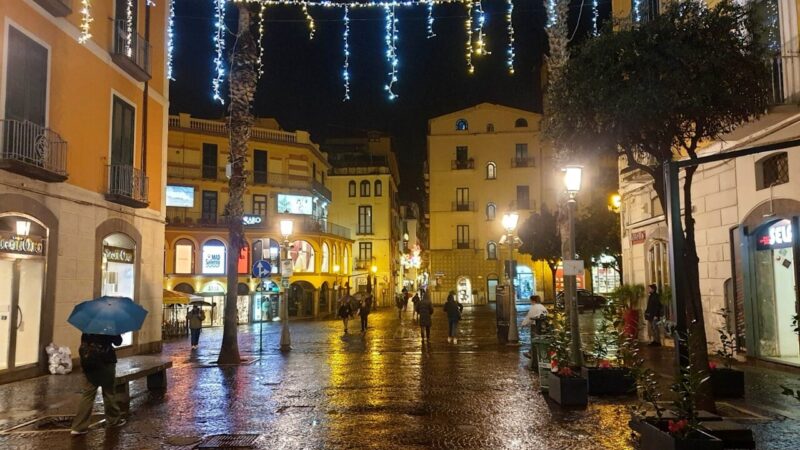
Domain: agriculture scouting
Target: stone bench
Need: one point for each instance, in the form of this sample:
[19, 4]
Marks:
[135, 367]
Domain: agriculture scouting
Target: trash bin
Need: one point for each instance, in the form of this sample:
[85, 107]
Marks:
[542, 345]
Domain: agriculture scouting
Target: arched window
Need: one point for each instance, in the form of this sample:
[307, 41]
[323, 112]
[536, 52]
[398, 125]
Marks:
[351, 188]
[490, 128]
[243, 265]
[658, 264]
[346, 261]
[462, 125]
[491, 171]
[772, 170]
[184, 256]
[521, 123]
[378, 188]
[325, 265]
[365, 188]
[186, 288]
[213, 262]
[302, 256]
[491, 211]
[491, 250]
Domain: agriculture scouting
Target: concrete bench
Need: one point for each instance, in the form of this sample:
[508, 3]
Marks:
[135, 367]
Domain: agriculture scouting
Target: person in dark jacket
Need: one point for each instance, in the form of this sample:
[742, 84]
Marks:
[99, 364]
[195, 317]
[415, 301]
[425, 310]
[363, 311]
[453, 309]
[345, 312]
[653, 313]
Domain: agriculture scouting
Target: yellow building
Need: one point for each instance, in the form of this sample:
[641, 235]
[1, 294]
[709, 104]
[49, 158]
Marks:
[286, 180]
[364, 178]
[483, 161]
[81, 154]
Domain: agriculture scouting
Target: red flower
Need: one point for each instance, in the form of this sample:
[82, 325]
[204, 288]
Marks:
[565, 372]
[553, 364]
[712, 365]
[552, 352]
[677, 427]
[604, 364]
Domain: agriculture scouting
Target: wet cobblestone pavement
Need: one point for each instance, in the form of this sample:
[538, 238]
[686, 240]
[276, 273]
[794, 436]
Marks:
[383, 390]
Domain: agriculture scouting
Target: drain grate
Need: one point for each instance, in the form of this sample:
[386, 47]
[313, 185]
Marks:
[229, 441]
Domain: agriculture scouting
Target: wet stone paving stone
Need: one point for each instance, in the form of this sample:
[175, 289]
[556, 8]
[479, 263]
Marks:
[381, 390]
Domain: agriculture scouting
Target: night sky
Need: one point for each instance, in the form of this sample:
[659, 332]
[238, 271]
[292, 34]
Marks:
[302, 84]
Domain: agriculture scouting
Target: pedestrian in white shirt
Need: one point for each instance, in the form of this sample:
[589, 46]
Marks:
[537, 311]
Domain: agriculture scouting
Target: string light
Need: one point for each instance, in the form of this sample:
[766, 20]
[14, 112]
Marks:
[391, 50]
[261, 39]
[510, 54]
[470, 51]
[595, 14]
[430, 20]
[219, 45]
[481, 19]
[86, 21]
[312, 27]
[170, 38]
[346, 39]
[129, 28]
[637, 13]
[551, 13]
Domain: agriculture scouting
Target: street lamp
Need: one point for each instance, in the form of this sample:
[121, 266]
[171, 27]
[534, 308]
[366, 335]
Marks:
[572, 184]
[286, 227]
[615, 202]
[509, 222]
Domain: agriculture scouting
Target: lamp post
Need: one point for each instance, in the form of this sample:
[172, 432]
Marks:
[572, 184]
[286, 338]
[510, 221]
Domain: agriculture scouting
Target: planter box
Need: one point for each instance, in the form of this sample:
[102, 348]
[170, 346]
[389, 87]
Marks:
[732, 434]
[654, 436]
[727, 383]
[609, 381]
[568, 391]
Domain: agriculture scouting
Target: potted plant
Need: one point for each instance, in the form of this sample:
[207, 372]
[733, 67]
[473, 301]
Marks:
[566, 386]
[609, 376]
[726, 382]
[629, 296]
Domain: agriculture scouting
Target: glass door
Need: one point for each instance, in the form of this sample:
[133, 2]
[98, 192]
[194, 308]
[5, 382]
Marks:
[6, 305]
[20, 311]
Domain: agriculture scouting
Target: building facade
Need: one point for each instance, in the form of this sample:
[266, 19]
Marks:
[363, 178]
[412, 248]
[746, 212]
[483, 162]
[286, 180]
[82, 144]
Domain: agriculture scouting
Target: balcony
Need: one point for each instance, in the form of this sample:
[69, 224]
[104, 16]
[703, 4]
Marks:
[463, 244]
[57, 8]
[260, 178]
[32, 150]
[127, 186]
[321, 190]
[462, 206]
[364, 231]
[527, 161]
[219, 128]
[363, 263]
[131, 51]
[186, 218]
[462, 164]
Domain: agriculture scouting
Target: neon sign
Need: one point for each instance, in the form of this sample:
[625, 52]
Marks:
[778, 235]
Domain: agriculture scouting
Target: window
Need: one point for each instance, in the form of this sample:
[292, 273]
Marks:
[243, 264]
[302, 255]
[122, 134]
[365, 220]
[26, 82]
[462, 199]
[491, 171]
[490, 128]
[260, 205]
[259, 167]
[521, 123]
[209, 208]
[462, 125]
[378, 188]
[772, 170]
[213, 261]
[521, 151]
[462, 153]
[365, 188]
[351, 188]
[314, 171]
[491, 211]
[184, 256]
[346, 263]
[462, 236]
[658, 264]
[210, 161]
[523, 197]
[325, 265]
[491, 250]
[365, 252]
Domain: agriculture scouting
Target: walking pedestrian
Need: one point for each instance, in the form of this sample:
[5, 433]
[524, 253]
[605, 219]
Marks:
[345, 312]
[453, 309]
[406, 298]
[363, 311]
[652, 314]
[99, 364]
[425, 311]
[415, 302]
[195, 317]
[399, 302]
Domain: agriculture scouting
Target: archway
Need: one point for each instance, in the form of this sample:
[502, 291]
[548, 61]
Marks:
[524, 283]
[324, 297]
[118, 267]
[186, 288]
[301, 299]
[464, 290]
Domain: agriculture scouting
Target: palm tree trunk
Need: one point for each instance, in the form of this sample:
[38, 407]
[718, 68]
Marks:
[243, 78]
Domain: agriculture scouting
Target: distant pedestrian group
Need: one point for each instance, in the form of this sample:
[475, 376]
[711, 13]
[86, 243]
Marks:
[349, 307]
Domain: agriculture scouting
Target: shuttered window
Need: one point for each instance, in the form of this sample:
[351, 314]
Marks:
[26, 79]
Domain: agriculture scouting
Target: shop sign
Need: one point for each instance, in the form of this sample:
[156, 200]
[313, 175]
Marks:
[251, 219]
[118, 254]
[22, 245]
[778, 235]
[213, 259]
[638, 237]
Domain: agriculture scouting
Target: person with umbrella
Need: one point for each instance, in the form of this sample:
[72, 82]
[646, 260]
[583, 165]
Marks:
[102, 322]
[195, 317]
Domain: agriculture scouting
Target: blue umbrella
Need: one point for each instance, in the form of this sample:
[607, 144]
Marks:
[107, 315]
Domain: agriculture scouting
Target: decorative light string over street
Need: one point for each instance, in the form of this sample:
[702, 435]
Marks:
[510, 53]
[346, 39]
[219, 47]
[391, 50]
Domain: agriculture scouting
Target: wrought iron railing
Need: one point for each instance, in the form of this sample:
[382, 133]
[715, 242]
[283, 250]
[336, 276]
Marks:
[321, 189]
[463, 244]
[127, 182]
[527, 161]
[463, 206]
[462, 164]
[221, 128]
[185, 217]
[32, 144]
[132, 45]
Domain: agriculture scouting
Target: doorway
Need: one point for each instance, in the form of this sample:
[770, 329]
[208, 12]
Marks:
[464, 291]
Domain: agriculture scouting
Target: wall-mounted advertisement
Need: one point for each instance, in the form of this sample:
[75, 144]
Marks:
[295, 204]
[180, 196]
[213, 259]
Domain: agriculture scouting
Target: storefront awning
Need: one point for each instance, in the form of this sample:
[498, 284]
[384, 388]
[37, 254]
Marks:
[178, 298]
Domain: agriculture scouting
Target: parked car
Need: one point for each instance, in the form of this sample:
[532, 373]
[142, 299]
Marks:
[586, 300]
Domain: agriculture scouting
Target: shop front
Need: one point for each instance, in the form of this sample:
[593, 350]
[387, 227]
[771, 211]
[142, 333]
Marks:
[265, 301]
[118, 268]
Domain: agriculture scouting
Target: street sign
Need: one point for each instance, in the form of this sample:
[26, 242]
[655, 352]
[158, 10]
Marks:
[262, 269]
[573, 267]
[286, 268]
